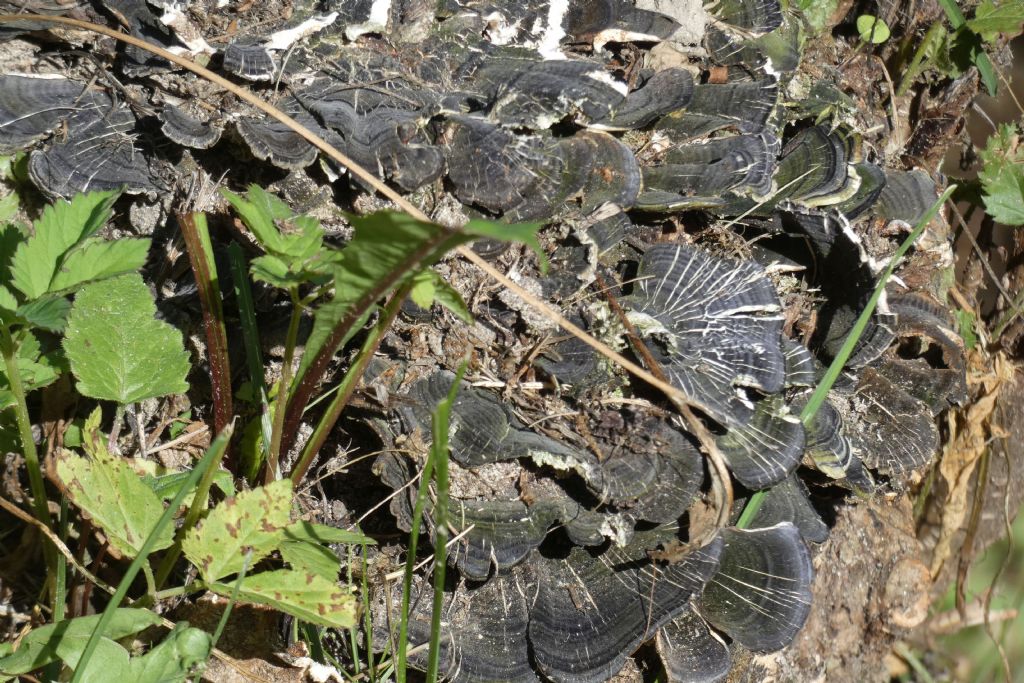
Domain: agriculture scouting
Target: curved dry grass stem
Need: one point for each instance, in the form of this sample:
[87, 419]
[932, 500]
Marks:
[372, 180]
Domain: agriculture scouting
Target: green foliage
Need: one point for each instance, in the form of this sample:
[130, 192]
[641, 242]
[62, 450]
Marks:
[113, 495]
[64, 641]
[817, 13]
[967, 328]
[117, 349]
[36, 368]
[295, 252]
[872, 29]
[62, 252]
[306, 596]
[990, 19]
[429, 288]
[1002, 176]
[253, 520]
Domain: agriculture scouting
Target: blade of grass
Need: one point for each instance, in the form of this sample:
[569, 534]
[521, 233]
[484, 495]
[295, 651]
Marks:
[253, 355]
[200, 253]
[410, 562]
[213, 454]
[850, 343]
[198, 506]
[439, 453]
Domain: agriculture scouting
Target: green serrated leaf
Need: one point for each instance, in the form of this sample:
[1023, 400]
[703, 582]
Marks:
[304, 595]
[112, 494]
[872, 29]
[62, 226]
[1002, 176]
[65, 640]
[990, 19]
[422, 292]
[96, 260]
[117, 349]
[8, 304]
[47, 312]
[254, 519]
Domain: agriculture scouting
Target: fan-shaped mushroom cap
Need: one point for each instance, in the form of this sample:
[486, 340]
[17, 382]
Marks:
[761, 594]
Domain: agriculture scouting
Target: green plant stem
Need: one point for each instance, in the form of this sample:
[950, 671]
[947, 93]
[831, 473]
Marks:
[439, 454]
[850, 343]
[204, 269]
[147, 571]
[367, 618]
[213, 453]
[273, 472]
[60, 588]
[348, 385]
[410, 562]
[40, 505]
[194, 587]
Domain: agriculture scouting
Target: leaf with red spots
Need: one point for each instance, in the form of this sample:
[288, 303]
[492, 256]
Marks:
[251, 520]
[303, 595]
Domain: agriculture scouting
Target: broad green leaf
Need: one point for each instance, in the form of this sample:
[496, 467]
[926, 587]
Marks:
[117, 349]
[62, 226]
[96, 259]
[321, 533]
[110, 491]
[423, 289]
[259, 211]
[254, 519]
[47, 313]
[303, 595]
[872, 29]
[1002, 176]
[311, 558]
[990, 19]
[65, 640]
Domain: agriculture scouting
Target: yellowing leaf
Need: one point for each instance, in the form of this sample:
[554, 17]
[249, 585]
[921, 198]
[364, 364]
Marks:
[303, 595]
[251, 520]
[108, 490]
[117, 349]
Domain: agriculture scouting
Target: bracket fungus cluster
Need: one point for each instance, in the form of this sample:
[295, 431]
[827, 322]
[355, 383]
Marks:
[581, 512]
